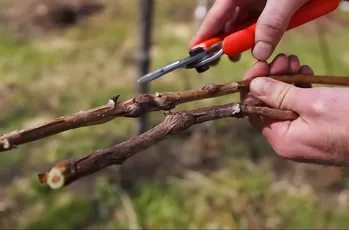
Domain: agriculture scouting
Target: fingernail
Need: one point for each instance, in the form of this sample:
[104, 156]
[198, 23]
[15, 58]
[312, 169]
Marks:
[260, 86]
[262, 50]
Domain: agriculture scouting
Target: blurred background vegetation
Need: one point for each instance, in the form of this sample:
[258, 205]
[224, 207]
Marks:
[221, 174]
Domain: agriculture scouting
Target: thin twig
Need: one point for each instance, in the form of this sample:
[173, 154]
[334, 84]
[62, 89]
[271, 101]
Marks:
[65, 172]
[141, 104]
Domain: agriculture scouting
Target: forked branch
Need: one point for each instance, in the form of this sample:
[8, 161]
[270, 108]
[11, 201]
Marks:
[65, 172]
[141, 104]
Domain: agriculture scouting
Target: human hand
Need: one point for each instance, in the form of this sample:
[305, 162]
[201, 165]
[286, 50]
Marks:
[320, 133]
[274, 16]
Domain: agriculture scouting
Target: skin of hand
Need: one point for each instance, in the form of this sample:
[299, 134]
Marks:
[320, 134]
[273, 18]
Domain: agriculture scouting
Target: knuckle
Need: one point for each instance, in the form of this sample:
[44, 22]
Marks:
[281, 95]
[272, 27]
[319, 105]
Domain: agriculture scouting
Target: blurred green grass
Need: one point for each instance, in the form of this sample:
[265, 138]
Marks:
[82, 67]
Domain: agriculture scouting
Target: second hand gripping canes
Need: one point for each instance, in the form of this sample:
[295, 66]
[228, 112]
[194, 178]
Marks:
[241, 40]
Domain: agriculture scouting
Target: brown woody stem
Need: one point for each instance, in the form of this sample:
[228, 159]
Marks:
[65, 172]
[144, 103]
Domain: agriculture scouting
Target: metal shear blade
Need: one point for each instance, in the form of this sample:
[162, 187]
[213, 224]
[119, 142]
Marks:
[199, 59]
[181, 63]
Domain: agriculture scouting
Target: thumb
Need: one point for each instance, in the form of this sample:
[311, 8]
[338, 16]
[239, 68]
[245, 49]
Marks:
[276, 94]
[272, 24]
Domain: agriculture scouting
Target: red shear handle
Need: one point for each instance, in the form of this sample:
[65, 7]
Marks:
[243, 40]
[210, 42]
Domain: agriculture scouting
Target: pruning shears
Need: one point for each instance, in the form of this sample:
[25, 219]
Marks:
[239, 41]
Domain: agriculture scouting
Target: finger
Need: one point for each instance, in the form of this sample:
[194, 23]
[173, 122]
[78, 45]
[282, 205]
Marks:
[272, 24]
[214, 22]
[294, 64]
[279, 65]
[305, 69]
[243, 14]
[254, 7]
[273, 130]
[258, 69]
[235, 58]
[294, 67]
[229, 25]
[277, 94]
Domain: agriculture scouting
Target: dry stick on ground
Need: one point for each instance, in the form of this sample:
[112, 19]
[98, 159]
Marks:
[141, 104]
[65, 172]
